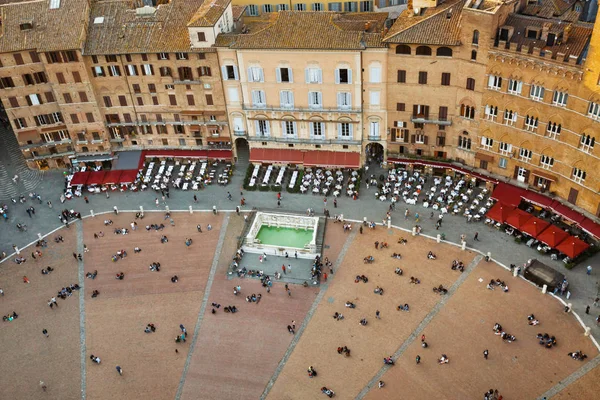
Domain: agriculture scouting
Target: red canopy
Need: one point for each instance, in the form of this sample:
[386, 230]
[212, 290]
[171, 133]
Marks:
[566, 212]
[339, 159]
[507, 194]
[534, 226]
[437, 164]
[220, 154]
[553, 236]
[112, 177]
[499, 212]
[537, 199]
[572, 247]
[517, 218]
[175, 153]
[277, 156]
[95, 178]
[79, 178]
[128, 176]
[590, 227]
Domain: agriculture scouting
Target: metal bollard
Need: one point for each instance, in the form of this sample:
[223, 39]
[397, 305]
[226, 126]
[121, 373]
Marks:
[439, 238]
[544, 289]
[191, 210]
[464, 246]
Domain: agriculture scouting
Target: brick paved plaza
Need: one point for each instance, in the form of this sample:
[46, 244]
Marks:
[250, 354]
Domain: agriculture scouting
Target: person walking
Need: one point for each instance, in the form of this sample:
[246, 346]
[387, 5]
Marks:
[476, 237]
[377, 314]
[589, 269]
[87, 201]
[289, 268]
[325, 277]
[195, 199]
[283, 269]
[334, 203]
[485, 354]
[587, 309]
[45, 332]
[199, 228]
[418, 359]
[406, 214]
[278, 203]
[120, 370]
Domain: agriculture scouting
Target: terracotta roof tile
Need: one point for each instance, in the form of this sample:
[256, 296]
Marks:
[310, 30]
[209, 13]
[436, 26]
[58, 29]
[548, 8]
[575, 45]
[237, 12]
[123, 32]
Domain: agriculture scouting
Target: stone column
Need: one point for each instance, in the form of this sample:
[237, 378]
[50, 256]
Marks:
[191, 210]
[544, 289]
[92, 213]
[439, 238]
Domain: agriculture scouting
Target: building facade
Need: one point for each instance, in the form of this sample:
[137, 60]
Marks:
[255, 8]
[288, 90]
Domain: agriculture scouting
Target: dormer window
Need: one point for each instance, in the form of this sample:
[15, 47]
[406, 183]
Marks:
[503, 34]
[25, 26]
[532, 34]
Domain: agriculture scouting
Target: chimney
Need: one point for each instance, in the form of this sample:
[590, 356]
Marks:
[410, 5]
[566, 33]
[545, 29]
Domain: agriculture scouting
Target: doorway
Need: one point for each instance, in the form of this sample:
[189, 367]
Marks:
[573, 196]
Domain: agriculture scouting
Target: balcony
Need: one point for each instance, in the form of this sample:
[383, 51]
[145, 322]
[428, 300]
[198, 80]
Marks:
[374, 138]
[117, 140]
[240, 133]
[433, 119]
[343, 110]
[44, 144]
[311, 140]
[154, 123]
[58, 154]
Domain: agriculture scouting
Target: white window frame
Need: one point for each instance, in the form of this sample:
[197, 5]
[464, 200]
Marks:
[19, 123]
[546, 162]
[375, 98]
[515, 87]
[594, 110]
[419, 137]
[375, 74]
[259, 99]
[502, 162]
[278, 71]
[299, 7]
[495, 82]
[531, 123]
[464, 142]
[491, 112]
[268, 8]
[99, 71]
[113, 70]
[225, 76]
[262, 127]
[233, 94]
[283, 7]
[131, 69]
[255, 74]
[510, 117]
[317, 130]
[374, 129]
[487, 143]
[338, 76]
[163, 56]
[553, 131]
[315, 100]
[56, 117]
[525, 154]
[35, 99]
[537, 93]
[560, 98]
[505, 148]
[344, 100]
[147, 69]
[521, 174]
[345, 130]
[48, 138]
[587, 143]
[64, 135]
[252, 10]
[313, 75]
[318, 7]
[181, 56]
[286, 99]
[288, 128]
[578, 175]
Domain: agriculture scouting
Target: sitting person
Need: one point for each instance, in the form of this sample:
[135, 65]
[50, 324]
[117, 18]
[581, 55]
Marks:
[398, 271]
[350, 304]
[95, 293]
[444, 359]
[174, 279]
[363, 322]
[388, 360]
[383, 245]
[414, 280]
[44, 271]
[164, 239]
[397, 256]
[92, 275]
[431, 256]
[337, 316]
[402, 241]
[378, 291]
[497, 328]
[137, 250]
[120, 276]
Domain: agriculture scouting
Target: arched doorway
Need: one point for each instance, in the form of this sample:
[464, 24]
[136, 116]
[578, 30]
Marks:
[242, 150]
[374, 153]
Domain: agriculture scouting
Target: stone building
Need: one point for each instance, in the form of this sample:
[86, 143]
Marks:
[255, 8]
[286, 89]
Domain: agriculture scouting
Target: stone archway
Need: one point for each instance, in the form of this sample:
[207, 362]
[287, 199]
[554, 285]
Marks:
[242, 150]
[374, 152]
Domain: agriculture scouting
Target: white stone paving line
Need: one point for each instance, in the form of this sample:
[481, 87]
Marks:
[81, 275]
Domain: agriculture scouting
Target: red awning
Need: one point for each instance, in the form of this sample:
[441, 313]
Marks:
[534, 227]
[500, 212]
[518, 218]
[537, 199]
[335, 159]
[112, 177]
[508, 194]
[572, 247]
[201, 154]
[566, 212]
[128, 176]
[590, 227]
[79, 178]
[436, 164]
[276, 156]
[95, 178]
[220, 154]
[553, 236]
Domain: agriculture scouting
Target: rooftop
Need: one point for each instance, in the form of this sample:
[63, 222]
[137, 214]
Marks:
[209, 13]
[34, 25]
[115, 27]
[435, 26]
[293, 30]
[550, 8]
[569, 38]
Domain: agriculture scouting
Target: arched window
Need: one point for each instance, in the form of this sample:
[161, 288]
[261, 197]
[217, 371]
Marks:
[473, 55]
[475, 37]
[423, 51]
[443, 52]
[467, 111]
[587, 143]
[403, 49]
